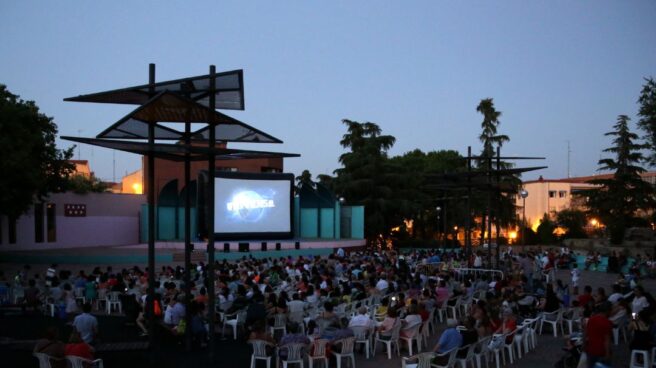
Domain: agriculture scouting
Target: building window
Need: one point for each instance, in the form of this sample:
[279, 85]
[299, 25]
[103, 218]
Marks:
[266, 169]
[38, 223]
[12, 230]
[51, 227]
[552, 194]
[562, 194]
[223, 168]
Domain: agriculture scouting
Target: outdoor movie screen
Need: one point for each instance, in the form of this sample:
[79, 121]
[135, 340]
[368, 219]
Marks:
[253, 205]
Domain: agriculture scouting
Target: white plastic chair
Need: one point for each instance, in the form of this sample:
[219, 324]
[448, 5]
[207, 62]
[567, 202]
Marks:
[102, 298]
[469, 357]
[574, 317]
[346, 350]
[279, 323]
[44, 360]
[394, 339]
[621, 328]
[554, 319]
[79, 295]
[412, 333]
[363, 336]
[442, 310]
[498, 348]
[518, 340]
[424, 360]
[645, 359]
[78, 362]
[482, 351]
[455, 309]
[114, 301]
[294, 354]
[318, 352]
[234, 321]
[452, 358]
[260, 353]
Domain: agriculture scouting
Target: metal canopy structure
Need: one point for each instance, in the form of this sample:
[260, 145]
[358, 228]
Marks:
[188, 100]
[228, 91]
[168, 107]
[179, 152]
[481, 180]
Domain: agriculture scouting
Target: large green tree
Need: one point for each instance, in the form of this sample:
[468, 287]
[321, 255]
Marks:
[365, 177]
[647, 114]
[31, 164]
[619, 198]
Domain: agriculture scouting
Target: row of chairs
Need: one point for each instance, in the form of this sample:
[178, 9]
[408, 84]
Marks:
[297, 353]
[45, 361]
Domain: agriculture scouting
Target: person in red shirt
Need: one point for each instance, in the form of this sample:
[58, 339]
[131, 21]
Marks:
[597, 336]
[77, 347]
[586, 297]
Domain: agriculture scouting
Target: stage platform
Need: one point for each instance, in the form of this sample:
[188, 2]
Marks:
[172, 253]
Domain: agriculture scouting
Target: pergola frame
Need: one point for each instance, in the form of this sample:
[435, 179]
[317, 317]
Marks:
[197, 105]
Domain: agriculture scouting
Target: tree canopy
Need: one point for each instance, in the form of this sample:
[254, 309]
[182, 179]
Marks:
[32, 166]
[619, 198]
[647, 114]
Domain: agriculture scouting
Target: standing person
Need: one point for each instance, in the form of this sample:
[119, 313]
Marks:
[576, 275]
[86, 324]
[597, 337]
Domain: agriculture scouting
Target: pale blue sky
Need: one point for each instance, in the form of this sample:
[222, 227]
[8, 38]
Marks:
[558, 70]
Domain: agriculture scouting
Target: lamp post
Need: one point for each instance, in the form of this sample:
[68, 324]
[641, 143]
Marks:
[438, 209]
[524, 194]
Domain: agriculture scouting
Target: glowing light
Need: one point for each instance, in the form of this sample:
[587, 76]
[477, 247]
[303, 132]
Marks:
[137, 188]
[513, 235]
[594, 222]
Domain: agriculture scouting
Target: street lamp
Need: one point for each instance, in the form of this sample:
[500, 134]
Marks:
[439, 209]
[523, 193]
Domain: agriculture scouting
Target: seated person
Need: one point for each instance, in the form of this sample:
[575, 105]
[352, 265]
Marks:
[449, 340]
[52, 346]
[385, 328]
[361, 319]
[77, 347]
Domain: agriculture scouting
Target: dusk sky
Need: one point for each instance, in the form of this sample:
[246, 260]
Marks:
[558, 70]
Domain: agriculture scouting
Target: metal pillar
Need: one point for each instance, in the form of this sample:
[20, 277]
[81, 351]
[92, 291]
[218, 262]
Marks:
[210, 214]
[150, 305]
[187, 238]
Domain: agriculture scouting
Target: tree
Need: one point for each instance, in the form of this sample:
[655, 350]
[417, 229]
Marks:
[573, 221]
[365, 177]
[489, 136]
[32, 166]
[545, 231]
[618, 198]
[647, 115]
[82, 184]
[304, 179]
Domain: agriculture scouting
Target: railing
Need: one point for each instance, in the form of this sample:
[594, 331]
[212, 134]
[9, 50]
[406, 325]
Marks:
[461, 274]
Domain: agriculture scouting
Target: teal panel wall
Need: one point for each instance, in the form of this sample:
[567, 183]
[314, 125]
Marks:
[357, 222]
[309, 224]
[327, 223]
[337, 220]
[165, 223]
[297, 216]
[181, 224]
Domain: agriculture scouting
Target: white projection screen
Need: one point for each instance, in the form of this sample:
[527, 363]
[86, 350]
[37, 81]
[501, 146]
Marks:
[253, 206]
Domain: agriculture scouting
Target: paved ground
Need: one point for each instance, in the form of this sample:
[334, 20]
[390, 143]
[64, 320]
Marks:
[237, 354]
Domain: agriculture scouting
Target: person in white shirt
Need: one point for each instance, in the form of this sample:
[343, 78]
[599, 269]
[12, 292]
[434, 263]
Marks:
[639, 300]
[361, 319]
[616, 295]
[86, 324]
[382, 284]
[296, 304]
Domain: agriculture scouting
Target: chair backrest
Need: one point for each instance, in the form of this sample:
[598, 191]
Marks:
[452, 357]
[412, 331]
[470, 349]
[319, 349]
[482, 345]
[294, 351]
[79, 292]
[360, 332]
[113, 296]
[347, 344]
[424, 360]
[396, 330]
[76, 361]
[102, 293]
[259, 348]
[279, 320]
[241, 316]
[44, 360]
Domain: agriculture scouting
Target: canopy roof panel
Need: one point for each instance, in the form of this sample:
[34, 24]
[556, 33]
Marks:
[168, 107]
[177, 152]
[229, 91]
